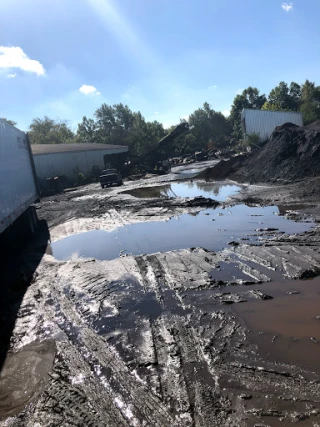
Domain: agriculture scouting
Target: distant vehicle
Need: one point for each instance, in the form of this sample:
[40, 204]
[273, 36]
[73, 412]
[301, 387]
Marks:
[164, 167]
[110, 176]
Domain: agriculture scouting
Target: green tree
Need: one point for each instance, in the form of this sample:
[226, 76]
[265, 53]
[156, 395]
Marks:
[249, 98]
[87, 130]
[269, 106]
[208, 125]
[309, 91]
[279, 97]
[310, 102]
[295, 95]
[49, 131]
[119, 125]
[284, 98]
[10, 122]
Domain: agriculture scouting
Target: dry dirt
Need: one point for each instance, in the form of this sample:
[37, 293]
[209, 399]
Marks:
[190, 337]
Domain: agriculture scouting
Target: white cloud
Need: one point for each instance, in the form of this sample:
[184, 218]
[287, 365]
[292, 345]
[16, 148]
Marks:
[14, 57]
[239, 91]
[88, 90]
[211, 88]
[287, 6]
[226, 113]
[11, 76]
[156, 112]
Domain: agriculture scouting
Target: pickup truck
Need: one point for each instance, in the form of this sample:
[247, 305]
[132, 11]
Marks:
[109, 177]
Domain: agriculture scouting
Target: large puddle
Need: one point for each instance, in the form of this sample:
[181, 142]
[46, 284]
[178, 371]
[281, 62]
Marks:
[217, 191]
[286, 328]
[212, 229]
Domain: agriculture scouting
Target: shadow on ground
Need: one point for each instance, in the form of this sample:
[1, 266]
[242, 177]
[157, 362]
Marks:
[20, 256]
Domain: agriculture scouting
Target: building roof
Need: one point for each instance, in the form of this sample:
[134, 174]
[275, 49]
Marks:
[66, 148]
[272, 111]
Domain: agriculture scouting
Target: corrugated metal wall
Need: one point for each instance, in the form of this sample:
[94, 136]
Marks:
[264, 122]
[17, 183]
[69, 164]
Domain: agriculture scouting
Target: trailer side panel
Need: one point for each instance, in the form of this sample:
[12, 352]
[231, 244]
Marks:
[18, 189]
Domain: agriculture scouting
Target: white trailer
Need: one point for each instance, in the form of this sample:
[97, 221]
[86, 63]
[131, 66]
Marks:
[264, 122]
[18, 184]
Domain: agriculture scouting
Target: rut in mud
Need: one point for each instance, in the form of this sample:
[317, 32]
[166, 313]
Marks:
[152, 340]
[161, 339]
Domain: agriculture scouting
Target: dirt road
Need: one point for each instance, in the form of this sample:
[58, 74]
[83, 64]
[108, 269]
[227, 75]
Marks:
[215, 333]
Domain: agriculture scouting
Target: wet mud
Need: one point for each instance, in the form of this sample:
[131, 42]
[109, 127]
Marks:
[193, 336]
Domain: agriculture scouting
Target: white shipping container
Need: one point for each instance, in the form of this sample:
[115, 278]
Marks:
[18, 189]
[264, 122]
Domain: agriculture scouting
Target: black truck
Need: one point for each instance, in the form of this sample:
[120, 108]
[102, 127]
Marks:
[110, 176]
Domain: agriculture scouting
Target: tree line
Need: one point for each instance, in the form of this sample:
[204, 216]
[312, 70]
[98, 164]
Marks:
[293, 97]
[119, 125]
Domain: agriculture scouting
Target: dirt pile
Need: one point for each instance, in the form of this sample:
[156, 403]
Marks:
[224, 168]
[292, 153]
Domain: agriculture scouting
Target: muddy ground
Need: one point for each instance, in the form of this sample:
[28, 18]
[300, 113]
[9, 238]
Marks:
[187, 337]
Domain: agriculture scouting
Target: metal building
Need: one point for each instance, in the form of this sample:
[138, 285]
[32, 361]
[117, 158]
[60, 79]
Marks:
[264, 122]
[52, 160]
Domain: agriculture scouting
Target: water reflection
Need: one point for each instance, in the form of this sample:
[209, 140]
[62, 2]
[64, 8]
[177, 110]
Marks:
[212, 229]
[218, 191]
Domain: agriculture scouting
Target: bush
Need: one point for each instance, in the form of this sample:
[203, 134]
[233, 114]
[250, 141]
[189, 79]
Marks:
[253, 140]
[95, 173]
[81, 179]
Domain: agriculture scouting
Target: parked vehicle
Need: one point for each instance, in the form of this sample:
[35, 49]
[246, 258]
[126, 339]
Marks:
[18, 182]
[109, 177]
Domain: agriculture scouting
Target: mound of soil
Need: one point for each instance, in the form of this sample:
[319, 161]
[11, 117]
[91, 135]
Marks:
[292, 153]
[223, 169]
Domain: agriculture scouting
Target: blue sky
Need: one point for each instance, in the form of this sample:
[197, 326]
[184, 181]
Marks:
[64, 58]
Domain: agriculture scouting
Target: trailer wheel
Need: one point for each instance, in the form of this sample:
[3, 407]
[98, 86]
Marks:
[29, 222]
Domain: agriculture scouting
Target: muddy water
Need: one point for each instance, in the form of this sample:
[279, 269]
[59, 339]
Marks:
[24, 375]
[212, 229]
[217, 191]
[286, 328]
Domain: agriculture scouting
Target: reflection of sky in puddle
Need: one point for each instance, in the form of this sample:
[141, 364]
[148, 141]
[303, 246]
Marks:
[211, 229]
[215, 191]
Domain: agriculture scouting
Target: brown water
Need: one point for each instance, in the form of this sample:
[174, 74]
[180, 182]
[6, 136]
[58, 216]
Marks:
[286, 328]
[24, 375]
